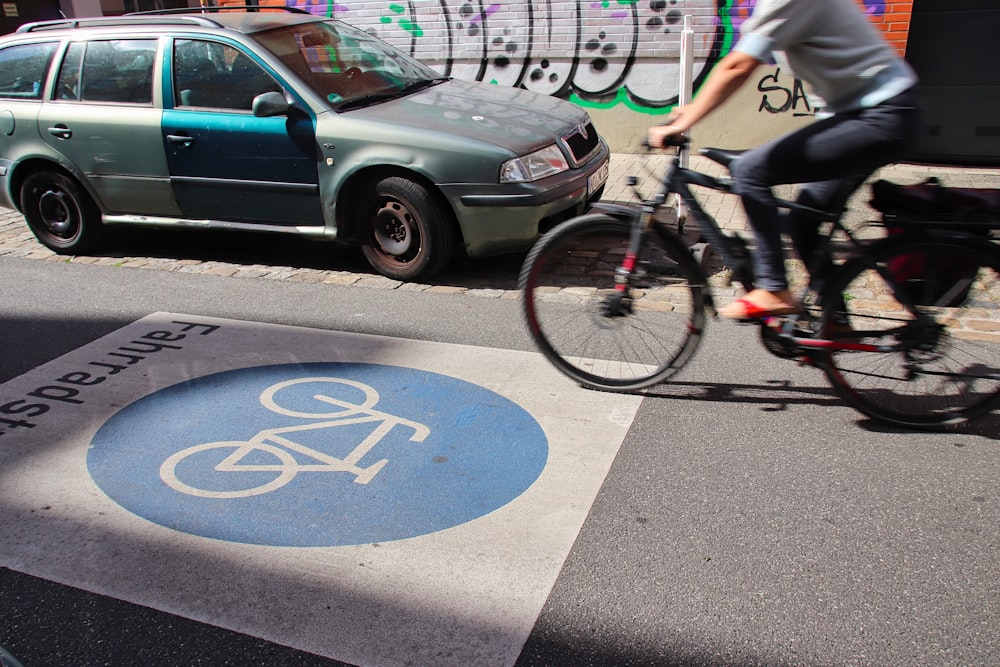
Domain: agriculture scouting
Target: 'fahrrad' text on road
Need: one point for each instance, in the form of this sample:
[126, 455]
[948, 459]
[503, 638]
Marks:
[70, 389]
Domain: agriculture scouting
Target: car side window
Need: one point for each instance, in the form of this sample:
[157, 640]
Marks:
[23, 70]
[115, 70]
[211, 75]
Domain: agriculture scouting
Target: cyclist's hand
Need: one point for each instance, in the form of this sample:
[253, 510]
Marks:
[673, 126]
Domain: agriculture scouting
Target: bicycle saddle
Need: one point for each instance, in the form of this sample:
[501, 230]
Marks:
[721, 155]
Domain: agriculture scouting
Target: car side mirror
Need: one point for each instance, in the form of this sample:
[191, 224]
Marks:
[270, 104]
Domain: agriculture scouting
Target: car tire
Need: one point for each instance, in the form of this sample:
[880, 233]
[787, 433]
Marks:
[408, 233]
[60, 213]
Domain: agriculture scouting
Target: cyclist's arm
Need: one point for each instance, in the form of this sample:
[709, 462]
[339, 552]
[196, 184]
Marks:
[726, 78]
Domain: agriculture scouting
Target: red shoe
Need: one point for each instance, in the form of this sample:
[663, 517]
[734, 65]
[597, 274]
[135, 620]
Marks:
[742, 309]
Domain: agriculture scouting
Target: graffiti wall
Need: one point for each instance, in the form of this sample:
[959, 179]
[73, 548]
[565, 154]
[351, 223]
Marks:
[596, 52]
[618, 58]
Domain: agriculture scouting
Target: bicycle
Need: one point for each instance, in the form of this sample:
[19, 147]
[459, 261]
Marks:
[270, 459]
[618, 301]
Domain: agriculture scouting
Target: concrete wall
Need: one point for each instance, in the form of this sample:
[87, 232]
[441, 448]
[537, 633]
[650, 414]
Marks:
[771, 106]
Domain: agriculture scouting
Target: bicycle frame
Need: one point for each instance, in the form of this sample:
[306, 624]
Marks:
[678, 180]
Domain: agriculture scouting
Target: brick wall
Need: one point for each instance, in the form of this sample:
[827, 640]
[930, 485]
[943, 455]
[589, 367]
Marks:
[893, 18]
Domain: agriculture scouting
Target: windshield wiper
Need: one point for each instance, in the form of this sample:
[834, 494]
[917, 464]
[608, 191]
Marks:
[366, 100]
[376, 98]
[423, 83]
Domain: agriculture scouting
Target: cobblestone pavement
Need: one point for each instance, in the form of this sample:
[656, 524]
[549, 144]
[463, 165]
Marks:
[277, 257]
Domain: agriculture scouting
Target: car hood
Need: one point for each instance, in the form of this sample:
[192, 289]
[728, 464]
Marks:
[518, 119]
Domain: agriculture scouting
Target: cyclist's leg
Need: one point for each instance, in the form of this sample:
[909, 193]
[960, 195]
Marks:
[803, 228]
[831, 148]
[753, 177]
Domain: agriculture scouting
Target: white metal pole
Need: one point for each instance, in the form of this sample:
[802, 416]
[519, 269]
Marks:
[687, 64]
[686, 90]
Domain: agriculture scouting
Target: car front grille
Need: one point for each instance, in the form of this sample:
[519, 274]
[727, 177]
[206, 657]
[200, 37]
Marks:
[582, 142]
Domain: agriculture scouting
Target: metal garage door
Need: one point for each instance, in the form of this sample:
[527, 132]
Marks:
[953, 46]
[13, 14]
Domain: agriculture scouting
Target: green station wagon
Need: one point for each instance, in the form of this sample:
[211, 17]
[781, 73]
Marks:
[280, 121]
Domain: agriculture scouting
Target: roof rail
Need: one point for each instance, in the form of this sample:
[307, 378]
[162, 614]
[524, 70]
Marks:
[110, 21]
[178, 16]
[225, 8]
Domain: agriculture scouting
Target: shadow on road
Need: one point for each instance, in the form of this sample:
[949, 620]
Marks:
[779, 395]
[257, 249]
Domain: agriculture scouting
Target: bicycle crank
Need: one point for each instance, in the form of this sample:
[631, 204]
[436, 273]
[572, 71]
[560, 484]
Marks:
[778, 338]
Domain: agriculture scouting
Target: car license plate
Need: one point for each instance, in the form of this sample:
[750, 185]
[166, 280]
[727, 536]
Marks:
[597, 179]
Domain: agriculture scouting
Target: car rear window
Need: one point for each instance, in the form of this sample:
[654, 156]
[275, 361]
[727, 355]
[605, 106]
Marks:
[23, 68]
[113, 70]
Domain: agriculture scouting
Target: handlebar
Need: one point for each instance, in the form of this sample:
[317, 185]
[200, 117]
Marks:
[673, 141]
[676, 141]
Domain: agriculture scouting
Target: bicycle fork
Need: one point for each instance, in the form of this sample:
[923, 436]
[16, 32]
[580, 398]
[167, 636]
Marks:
[620, 303]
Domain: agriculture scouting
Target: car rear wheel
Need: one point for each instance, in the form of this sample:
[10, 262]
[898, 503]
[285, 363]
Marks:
[408, 233]
[60, 213]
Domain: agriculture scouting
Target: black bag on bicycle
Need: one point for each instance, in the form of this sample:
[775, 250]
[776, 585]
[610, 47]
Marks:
[940, 281]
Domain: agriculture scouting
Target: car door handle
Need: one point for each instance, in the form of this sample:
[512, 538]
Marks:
[61, 131]
[183, 139]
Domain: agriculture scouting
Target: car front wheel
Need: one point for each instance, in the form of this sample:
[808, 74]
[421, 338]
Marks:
[408, 233]
[60, 213]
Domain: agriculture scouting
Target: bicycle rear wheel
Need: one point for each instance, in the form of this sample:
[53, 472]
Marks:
[930, 304]
[602, 337]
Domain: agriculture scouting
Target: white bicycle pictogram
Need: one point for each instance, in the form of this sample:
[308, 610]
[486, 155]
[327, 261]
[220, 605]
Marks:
[274, 441]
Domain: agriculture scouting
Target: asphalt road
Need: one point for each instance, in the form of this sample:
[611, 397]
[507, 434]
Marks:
[749, 518]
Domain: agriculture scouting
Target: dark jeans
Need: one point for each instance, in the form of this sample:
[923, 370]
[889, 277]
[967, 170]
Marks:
[822, 155]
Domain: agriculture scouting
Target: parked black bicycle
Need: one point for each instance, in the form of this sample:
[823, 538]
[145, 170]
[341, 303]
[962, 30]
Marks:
[905, 328]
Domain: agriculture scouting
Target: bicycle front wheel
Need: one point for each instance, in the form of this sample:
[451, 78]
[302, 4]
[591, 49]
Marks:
[608, 338]
[922, 314]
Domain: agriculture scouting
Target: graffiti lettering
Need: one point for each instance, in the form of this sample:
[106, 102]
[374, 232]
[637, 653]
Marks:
[790, 99]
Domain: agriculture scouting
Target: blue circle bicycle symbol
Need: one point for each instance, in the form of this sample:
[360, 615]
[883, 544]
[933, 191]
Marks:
[324, 454]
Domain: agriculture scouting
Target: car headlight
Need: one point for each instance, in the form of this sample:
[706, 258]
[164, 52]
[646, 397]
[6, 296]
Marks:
[533, 166]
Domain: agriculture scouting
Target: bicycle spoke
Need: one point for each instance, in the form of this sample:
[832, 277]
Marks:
[943, 368]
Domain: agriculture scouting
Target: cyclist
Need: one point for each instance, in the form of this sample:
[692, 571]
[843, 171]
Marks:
[870, 116]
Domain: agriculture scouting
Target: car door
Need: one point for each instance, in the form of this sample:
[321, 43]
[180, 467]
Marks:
[103, 119]
[225, 163]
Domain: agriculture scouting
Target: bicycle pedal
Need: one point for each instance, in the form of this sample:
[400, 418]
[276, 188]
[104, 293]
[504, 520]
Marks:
[799, 331]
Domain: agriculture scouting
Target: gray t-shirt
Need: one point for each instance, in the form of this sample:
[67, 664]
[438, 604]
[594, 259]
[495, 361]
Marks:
[832, 46]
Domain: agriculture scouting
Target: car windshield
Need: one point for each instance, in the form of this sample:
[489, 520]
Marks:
[344, 65]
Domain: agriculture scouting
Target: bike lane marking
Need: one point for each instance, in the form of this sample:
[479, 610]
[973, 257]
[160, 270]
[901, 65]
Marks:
[460, 480]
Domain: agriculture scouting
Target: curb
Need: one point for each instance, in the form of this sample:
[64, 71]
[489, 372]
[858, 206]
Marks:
[493, 277]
